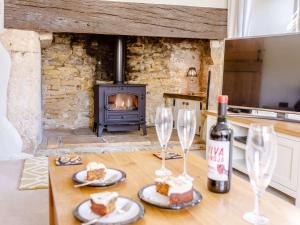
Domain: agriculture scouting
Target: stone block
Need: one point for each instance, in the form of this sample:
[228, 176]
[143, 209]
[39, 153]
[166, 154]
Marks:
[78, 50]
[21, 41]
[74, 60]
[46, 39]
[216, 85]
[24, 97]
[217, 51]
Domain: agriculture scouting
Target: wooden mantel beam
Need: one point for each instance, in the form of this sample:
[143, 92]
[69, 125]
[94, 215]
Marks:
[116, 18]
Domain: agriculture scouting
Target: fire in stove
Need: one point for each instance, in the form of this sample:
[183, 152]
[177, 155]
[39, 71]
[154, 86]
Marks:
[122, 102]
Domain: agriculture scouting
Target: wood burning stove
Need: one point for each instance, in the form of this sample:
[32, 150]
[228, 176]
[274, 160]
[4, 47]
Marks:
[119, 106]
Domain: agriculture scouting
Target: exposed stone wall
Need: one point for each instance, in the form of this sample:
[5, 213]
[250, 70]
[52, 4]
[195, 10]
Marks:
[24, 88]
[68, 80]
[162, 64]
[73, 63]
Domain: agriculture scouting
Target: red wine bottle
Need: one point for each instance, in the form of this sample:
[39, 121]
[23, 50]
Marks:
[220, 151]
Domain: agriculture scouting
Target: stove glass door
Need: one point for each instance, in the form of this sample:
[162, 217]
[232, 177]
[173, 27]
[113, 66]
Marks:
[122, 102]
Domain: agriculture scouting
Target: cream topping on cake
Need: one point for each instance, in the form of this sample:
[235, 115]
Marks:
[176, 184]
[103, 198]
[95, 166]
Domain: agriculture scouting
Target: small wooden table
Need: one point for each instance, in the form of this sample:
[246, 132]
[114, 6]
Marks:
[215, 209]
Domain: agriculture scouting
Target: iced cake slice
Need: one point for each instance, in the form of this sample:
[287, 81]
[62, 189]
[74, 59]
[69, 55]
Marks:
[103, 203]
[95, 171]
[178, 189]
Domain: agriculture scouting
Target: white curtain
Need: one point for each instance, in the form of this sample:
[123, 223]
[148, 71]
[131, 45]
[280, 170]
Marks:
[294, 25]
[1, 15]
[239, 14]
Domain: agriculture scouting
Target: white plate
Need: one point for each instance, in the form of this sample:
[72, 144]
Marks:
[150, 195]
[117, 175]
[83, 213]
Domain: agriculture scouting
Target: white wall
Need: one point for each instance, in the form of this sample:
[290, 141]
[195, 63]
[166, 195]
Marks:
[270, 16]
[197, 3]
[280, 57]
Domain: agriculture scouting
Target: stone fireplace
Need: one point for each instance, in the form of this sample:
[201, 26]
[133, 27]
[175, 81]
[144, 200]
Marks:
[73, 64]
[54, 68]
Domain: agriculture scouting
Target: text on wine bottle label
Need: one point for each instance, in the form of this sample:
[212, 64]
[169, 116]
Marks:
[218, 160]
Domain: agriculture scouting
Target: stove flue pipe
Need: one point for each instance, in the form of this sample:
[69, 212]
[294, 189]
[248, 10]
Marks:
[120, 59]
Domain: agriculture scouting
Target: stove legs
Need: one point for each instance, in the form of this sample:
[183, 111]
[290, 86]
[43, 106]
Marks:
[98, 129]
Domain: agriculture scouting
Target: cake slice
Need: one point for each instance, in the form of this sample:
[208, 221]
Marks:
[178, 189]
[95, 171]
[162, 185]
[103, 203]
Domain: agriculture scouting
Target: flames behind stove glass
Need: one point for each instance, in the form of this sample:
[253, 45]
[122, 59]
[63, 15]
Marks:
[121, 102]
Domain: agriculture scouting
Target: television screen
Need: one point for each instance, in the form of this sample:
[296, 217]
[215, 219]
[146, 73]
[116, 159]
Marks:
[263, 72]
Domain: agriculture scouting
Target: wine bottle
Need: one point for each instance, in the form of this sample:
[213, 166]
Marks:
[220, 151]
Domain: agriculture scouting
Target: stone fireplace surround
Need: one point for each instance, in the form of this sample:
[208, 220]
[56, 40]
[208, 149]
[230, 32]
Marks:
[56, 82]
[73, 64]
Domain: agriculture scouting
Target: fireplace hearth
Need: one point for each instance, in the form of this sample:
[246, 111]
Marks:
[119, 106]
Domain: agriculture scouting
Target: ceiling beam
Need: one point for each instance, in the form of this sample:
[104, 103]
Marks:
[116, 18]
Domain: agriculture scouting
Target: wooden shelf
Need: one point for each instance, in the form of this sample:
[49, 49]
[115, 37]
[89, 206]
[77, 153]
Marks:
[288, 128]
[196, 96]
[239, 145]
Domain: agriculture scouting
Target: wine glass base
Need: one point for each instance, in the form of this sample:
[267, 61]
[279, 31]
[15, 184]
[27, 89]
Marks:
[253, 218]
[163, 172]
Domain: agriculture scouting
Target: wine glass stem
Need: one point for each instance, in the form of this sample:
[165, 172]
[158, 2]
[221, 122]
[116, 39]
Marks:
[185, 152]
[257, 204]
[164, 149]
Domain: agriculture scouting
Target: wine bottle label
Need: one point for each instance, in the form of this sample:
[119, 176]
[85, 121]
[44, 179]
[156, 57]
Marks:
[218, 160]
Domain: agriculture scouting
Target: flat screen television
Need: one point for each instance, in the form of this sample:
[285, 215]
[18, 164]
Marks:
[263, 72]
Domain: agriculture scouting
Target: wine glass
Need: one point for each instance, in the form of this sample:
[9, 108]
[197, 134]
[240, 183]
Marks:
[186, 128]
[164, 126]
[261, 156]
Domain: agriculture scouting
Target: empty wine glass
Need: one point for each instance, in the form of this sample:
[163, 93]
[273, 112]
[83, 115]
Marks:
[164, 126]
[186, 128]
[261, 156]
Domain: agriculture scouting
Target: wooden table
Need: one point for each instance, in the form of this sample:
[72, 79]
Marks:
[215, 209]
